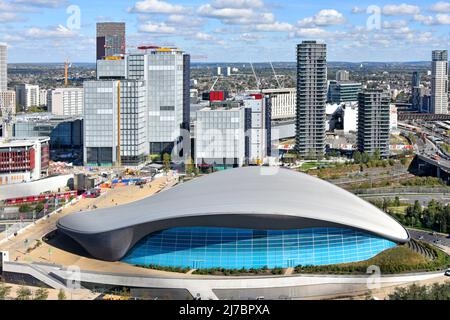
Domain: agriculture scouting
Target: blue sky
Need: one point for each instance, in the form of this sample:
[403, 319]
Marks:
[229, 30]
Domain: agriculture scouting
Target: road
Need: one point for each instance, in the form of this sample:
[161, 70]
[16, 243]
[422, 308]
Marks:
[424, 199]
[429, 237]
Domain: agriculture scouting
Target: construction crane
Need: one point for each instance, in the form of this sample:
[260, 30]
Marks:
[258, 84]
[67, 65]
[215, 81]
[275, 75]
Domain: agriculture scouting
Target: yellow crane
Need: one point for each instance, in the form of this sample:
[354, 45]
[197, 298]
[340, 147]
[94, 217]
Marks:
[67, 65]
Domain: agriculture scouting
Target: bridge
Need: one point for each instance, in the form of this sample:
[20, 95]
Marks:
[403, 116]
[429, 166]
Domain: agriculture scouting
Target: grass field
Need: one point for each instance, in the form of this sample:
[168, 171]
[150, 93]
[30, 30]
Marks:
[398, 210]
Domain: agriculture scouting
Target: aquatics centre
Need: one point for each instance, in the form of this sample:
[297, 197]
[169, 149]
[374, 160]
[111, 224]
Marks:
[246, 217]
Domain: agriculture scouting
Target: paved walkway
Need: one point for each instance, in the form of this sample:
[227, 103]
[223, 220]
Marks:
[49, 254]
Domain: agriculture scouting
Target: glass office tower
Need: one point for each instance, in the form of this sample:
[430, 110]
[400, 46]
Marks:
[101, 114]
[166, 74]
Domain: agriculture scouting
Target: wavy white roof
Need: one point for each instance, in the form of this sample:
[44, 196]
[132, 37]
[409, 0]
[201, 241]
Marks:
[245, 191]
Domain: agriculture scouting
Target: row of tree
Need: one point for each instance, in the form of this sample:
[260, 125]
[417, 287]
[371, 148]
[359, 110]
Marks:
[436, 216]
[25, 293]
[415, 292]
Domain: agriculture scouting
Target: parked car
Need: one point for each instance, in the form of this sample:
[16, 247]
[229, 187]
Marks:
[447, 272]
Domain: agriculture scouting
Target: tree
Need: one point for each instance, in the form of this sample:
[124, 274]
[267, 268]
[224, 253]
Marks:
[4, 291]
[39, 207]
[24, 208]
[24, 293]
[397, 202]
[357, 157]
[365, 158]
[62, 295]
[41, 294]
[166, 162]
[376, 155]
[189, 166]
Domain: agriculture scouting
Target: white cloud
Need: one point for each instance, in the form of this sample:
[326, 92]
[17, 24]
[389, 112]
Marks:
[311, 33]
[400, 10]
[443, 19]
[43, 3]
[157, 6]
[395, 24]
[439, 19]
[325, 17]
[441, 7]
[237, 12]
[209, 11]
[358, 10]
[160, 28]
[274, 27]
[50, 33]
[248, 37]
[185, 21]
[201, 36]
[9, 17]
[237, 4]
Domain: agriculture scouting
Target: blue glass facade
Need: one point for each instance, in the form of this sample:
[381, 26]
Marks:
[203, 247]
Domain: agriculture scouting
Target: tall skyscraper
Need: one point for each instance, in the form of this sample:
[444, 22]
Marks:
[3, 67]
[110, 39]
[417, 92]
[311, 98]
[439, 82]
[416, 79]
[373, 122]
[166, 73]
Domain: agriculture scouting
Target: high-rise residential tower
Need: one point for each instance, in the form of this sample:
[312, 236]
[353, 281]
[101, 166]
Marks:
[3, 67]
[27, 95]
[311, 98]
[342, 75]
[373, 122]
[439, 82]
[110, 39]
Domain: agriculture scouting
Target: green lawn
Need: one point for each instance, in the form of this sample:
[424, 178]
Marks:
[398, 210]
[309, 165]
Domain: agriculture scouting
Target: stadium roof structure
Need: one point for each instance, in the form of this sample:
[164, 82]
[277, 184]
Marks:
[251, 197]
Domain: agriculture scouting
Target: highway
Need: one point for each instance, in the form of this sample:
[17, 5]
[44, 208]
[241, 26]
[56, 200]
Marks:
[430, 237]
[424, 199]
[426, 148]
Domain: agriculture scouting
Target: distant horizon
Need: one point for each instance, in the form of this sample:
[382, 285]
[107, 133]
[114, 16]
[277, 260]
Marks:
[221, 30]
[239, 62]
